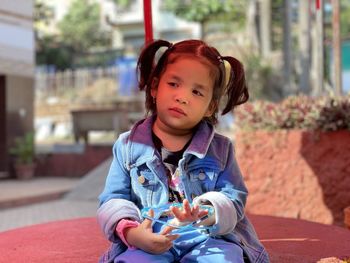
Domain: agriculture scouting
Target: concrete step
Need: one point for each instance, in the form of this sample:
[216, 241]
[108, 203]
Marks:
[14, 192]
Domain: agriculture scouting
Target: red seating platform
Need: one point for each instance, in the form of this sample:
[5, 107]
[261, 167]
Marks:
[80, 240]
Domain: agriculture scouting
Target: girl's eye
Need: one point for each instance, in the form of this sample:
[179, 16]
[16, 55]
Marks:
[197, 92]
[173, 84]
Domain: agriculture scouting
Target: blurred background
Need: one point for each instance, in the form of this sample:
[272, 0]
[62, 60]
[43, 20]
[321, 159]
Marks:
[68, 85]
[67, 64]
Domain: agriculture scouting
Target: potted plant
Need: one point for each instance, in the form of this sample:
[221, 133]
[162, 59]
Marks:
[24, 153]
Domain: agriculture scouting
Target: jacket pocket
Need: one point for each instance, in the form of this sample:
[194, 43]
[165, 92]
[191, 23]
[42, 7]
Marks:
[143, 183]
[202, 180]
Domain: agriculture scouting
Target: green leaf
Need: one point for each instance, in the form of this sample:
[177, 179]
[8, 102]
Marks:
[24, 149]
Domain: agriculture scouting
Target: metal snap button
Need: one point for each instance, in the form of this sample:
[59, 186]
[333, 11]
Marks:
[201, 176]
[141, 179]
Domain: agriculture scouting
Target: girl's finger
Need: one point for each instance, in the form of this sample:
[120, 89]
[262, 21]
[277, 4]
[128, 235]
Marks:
[165, 240]
[176, 211]
[166, 230]
[147, 223]
[187, 207]
[171, 238]
[202, 213]
[195, 212]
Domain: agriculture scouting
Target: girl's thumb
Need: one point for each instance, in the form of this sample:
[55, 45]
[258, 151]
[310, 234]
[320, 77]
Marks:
[148, 222]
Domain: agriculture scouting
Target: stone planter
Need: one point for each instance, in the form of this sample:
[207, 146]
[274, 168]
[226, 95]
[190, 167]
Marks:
[25, 171]
[296, 174]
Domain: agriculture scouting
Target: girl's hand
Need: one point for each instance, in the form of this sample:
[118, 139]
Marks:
[142, 237]
[186, 214]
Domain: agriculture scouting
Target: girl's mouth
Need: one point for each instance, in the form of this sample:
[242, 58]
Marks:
[177, 111]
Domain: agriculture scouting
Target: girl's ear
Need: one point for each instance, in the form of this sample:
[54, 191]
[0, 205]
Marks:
[154, 87]
[153, 92]
[211, 108]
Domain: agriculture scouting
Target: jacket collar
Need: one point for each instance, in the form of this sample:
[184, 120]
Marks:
[141, 135]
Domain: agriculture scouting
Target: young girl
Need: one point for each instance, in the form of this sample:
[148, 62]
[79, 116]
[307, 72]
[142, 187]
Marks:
[175, 156]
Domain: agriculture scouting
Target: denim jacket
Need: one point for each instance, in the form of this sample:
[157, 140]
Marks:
[208, 172]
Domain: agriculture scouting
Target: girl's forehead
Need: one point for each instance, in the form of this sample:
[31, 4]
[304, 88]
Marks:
[191, 71]
[188, 66]
[177, 56]
[174, 58]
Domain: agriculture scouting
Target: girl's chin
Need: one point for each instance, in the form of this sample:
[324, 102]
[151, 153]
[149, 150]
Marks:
[175, 125]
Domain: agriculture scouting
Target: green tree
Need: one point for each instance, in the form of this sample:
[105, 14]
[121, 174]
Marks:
[207, 11]
[42, 12]
[80, 27]
[80, 32]
[49, 50]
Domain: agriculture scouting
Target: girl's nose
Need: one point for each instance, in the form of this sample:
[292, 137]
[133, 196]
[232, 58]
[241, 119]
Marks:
[182, 101]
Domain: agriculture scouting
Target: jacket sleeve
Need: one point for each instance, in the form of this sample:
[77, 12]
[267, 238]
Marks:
[230, 196]
[115, 200]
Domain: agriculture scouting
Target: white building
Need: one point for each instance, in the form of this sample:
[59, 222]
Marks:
[126, 25]
[17, 61]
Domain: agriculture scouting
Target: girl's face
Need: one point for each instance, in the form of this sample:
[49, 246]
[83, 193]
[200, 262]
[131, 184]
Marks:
[183, 95]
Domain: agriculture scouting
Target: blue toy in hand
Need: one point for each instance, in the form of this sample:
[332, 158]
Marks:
[165, 216]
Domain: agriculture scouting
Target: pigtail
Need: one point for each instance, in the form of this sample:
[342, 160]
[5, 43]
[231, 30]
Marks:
[236, 89]
[146, 62]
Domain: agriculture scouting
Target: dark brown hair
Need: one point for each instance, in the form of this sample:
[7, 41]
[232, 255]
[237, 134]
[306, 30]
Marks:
[150, 69]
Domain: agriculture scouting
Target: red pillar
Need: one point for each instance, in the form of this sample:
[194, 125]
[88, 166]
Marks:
[147, 16]
[318, 4]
